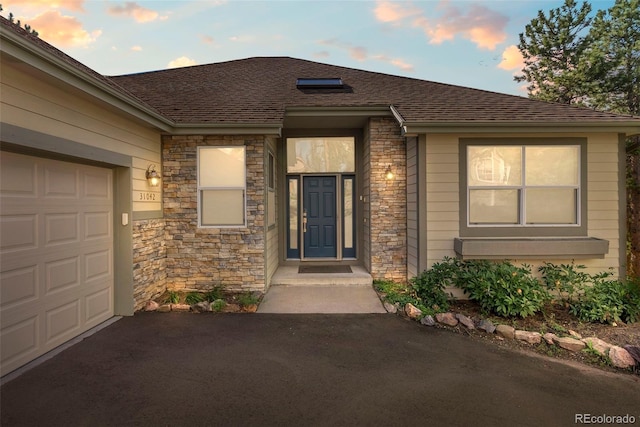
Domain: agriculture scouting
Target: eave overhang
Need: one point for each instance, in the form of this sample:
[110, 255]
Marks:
[19, 50]
[226, 129]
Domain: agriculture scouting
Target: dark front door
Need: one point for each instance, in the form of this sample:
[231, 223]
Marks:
[319, 212]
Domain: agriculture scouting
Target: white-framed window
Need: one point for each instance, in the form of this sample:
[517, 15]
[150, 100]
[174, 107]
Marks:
[222, 186]
[530, 185]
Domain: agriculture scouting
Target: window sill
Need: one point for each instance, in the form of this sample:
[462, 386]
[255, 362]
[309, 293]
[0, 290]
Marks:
[530, 248]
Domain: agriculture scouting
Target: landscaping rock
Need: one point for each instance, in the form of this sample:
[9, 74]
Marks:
[569, 343]
[180, 307]
[550, 338]
[412, 311]
[200, 307]
[530, 337]
[575, 334]
[428, 320]
[391, 308]
[151, 306]
[164, 308]
[465, 321]
[250, 308]
[231, 308]
[487, 326]
[598, 345]
[620, 358]
[446, 319]
[506, 331]
[634, 352]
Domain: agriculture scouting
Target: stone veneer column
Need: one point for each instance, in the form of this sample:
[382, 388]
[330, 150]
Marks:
[149, 260]
[202, 258]
[388, 201]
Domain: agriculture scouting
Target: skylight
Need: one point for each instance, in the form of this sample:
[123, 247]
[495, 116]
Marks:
[320, 83]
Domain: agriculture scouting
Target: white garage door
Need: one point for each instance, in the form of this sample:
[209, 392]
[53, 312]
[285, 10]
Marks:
[56, 254]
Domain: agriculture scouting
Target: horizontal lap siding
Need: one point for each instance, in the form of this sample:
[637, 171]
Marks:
[34, 104]
[442, 202]
[412, 207]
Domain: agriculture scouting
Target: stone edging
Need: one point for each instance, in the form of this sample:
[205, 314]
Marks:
[622, 358]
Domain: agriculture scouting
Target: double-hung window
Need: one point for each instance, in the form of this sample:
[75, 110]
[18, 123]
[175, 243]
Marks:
[221, 186]
[524, 187]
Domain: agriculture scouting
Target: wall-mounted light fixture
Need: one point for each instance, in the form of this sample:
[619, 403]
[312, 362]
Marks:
[388, 174]
[153, 177]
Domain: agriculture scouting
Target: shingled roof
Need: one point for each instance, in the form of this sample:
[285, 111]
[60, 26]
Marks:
[259, 90]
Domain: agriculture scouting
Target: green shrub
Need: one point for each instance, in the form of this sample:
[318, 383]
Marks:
[172, 297]
[218, 305]
[430, 286]
[502, 288]
[247, 298]
[608, 301]
[395, 292]
[193, 298]
[213, 294]
[565, 279]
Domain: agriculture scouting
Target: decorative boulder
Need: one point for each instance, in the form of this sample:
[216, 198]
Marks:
[602, 347]
[466, 321]
[570, 344]
[412, 311]
[487, 326]
[151, 306]
[530, 337]
[620, 358]
[506, 331]
[446, 319]
[428, 320]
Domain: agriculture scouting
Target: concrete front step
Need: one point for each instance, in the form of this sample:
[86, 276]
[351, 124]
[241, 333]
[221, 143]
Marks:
[289, 276]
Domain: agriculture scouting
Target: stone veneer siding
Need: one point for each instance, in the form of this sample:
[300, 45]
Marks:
[387, 200]
[201, 258]
[149, 260]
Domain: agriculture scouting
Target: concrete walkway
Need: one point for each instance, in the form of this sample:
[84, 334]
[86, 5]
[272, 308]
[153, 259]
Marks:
[327, 293]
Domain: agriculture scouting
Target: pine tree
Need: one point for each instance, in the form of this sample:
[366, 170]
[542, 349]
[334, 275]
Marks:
[552, 47]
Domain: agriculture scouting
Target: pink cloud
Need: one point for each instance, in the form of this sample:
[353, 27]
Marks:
[511, 59]
[359, 53]
[139, 13]
[387, 11]
[62, 30]
[206, 39]
[479, 24]
[75, 5]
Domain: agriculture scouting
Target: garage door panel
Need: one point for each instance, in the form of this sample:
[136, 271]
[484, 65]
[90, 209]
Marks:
[98, 306]
[19, 286]
[62, 274]
[97, 225]
[24, 338]
[17, 176]
[18, 232]
[62, 323]
[56, 254]
[60, 182]
[97, 185]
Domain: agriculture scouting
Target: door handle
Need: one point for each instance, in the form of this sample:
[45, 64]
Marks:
[304, 221]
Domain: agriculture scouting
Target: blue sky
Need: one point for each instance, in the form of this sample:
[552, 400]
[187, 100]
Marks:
[467, 43]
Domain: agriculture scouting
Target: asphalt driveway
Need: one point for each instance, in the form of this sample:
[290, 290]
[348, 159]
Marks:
[178, 369]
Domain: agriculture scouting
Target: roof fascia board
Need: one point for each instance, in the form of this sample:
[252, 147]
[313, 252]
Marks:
[626, 127]
[14, 46]
[227, 129]
[337, 111]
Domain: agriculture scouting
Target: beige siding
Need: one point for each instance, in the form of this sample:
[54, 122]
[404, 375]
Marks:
[442, 188]
[412, 207]
[34, 104]
[442, 224]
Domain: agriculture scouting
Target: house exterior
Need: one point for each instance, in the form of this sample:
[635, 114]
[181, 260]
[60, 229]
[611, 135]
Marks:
[272, 162]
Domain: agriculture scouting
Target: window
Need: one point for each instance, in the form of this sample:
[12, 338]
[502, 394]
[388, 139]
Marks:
[221, 186]
[320, 155]
[320, 83]
[271, 190]
[529, 186]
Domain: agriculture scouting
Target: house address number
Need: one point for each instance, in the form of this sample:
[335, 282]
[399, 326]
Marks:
[147, 196]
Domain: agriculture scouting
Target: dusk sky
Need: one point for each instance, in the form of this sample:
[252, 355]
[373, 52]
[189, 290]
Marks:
[466, 43]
